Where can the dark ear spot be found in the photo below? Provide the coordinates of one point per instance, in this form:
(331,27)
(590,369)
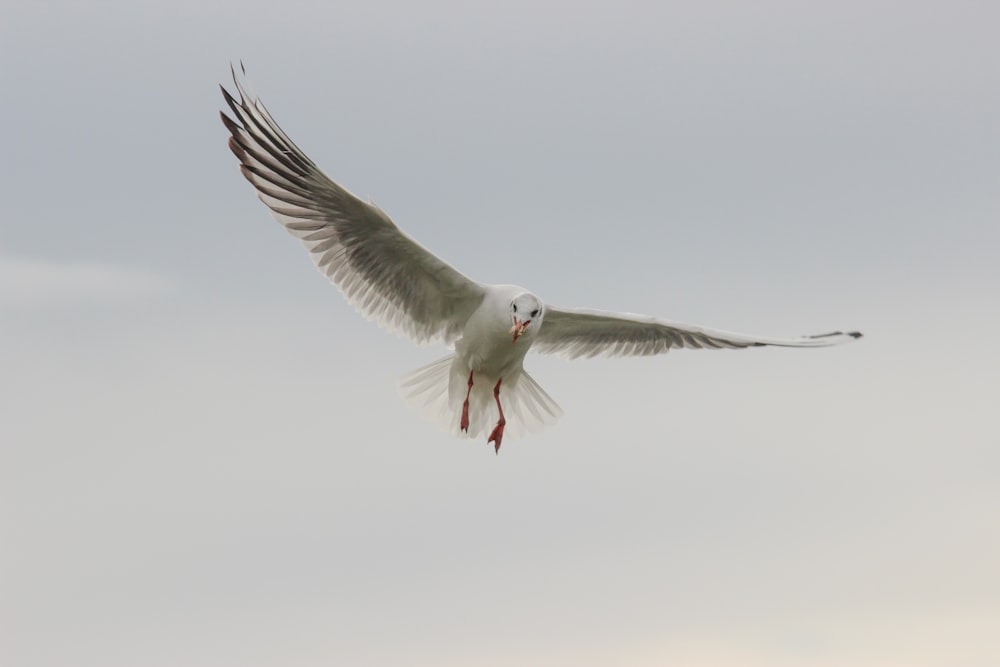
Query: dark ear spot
(514,306)
(534,313)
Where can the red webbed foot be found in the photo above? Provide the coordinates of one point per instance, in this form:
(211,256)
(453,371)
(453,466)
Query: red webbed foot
(497,435)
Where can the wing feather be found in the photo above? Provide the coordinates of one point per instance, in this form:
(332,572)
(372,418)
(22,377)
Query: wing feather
(382,272)
(581,332)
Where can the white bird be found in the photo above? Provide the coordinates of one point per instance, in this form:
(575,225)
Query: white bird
(393,280)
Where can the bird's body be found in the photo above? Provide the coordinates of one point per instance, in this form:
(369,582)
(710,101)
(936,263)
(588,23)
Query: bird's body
(458,390)
(486,345)
(393,280)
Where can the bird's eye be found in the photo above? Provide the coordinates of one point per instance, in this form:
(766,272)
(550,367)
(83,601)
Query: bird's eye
(534,313)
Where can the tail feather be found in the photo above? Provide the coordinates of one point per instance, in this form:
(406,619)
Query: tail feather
(438,391)
(426,390)
(527,406)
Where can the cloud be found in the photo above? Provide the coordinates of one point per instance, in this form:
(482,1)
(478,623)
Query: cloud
(31,283)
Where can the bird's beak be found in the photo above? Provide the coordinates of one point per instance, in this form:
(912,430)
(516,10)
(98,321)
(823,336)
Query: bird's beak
(518,329)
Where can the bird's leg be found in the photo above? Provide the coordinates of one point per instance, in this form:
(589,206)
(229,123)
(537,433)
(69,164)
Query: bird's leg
(497,435)
(465,407)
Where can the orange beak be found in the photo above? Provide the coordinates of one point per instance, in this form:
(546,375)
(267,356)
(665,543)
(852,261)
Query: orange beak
(518,329)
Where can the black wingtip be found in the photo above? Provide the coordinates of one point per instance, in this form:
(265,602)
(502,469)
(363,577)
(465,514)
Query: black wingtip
(232,72)
(832,334)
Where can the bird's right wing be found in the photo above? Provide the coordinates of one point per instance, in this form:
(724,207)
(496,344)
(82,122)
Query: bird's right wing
(589,333)
(385,274)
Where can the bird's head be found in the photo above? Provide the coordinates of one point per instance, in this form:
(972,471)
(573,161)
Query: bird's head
(525,309)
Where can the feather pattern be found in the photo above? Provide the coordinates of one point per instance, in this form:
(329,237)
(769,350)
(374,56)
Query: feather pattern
(386,275)
(580,332)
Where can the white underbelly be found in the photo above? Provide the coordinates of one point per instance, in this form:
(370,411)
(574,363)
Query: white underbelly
(494,356)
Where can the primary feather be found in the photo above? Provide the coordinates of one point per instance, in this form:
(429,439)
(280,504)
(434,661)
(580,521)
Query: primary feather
(385,274)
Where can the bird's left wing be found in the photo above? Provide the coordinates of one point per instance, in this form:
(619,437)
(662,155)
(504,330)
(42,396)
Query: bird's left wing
(589,333)
(385,274)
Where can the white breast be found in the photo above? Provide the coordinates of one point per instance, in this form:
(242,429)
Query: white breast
(487,345)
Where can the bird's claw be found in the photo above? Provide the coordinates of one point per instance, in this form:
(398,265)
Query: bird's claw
(496,436)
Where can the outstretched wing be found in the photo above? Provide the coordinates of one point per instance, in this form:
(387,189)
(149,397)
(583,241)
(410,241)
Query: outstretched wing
(589,333)
(385,274)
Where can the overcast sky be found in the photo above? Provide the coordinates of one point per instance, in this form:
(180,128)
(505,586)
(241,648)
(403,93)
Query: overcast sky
(203,457)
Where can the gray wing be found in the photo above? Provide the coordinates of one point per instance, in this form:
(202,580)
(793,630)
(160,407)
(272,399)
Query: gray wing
(589,333)
(385,274)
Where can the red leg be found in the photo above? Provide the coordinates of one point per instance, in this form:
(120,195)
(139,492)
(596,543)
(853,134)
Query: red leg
(497,434)
(465,407)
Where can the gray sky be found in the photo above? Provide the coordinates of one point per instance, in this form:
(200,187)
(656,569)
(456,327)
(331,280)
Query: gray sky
(203,459)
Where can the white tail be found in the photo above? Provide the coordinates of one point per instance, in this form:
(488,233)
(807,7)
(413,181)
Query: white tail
(438,389)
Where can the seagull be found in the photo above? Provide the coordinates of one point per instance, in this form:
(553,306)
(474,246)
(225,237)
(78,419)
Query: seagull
(391,279)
